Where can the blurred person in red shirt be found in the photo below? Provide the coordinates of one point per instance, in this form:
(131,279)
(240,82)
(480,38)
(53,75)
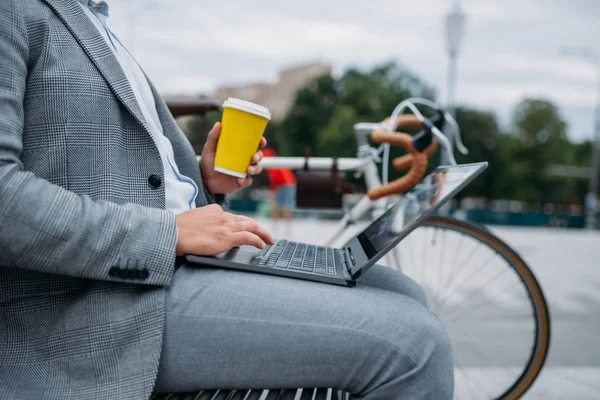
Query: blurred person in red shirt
(283,192)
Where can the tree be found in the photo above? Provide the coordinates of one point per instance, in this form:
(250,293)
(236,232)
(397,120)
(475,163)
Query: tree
(310,113)
(323,113)
(337,139)
(485,141)
(196,128)
(582,155)
(374,94)
(543,141)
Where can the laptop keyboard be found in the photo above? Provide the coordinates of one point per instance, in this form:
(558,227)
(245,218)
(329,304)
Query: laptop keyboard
(300,257)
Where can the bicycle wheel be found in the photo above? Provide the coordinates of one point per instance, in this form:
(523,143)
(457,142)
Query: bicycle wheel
(488,300)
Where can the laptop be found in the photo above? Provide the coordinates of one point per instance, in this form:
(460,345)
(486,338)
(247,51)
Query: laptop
(344,266)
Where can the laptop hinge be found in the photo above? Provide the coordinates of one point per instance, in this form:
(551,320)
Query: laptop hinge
(348,259)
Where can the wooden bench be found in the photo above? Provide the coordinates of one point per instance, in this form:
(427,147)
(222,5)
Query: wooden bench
(255,394)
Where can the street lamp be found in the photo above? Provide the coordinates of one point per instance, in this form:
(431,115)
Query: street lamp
(455,26)
(593,58)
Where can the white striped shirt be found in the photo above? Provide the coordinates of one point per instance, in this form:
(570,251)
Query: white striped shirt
(180,190)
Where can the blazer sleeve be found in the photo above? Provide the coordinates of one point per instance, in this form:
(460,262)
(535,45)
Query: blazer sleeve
(46,228)
(211,198)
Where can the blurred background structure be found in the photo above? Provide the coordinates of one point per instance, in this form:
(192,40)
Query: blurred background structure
(593,59)
(279,96)
(455,26)
(523,104)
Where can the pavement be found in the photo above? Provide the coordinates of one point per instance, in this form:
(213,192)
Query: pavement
(567,266)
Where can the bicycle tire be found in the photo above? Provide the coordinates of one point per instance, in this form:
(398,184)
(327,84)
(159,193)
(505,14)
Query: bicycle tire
(539,351)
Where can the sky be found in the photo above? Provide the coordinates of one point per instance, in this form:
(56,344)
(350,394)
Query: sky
(511,48)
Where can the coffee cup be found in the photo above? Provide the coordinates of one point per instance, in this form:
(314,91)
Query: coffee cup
(242,126)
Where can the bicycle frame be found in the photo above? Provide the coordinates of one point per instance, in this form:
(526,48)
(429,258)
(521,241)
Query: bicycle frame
(366,166)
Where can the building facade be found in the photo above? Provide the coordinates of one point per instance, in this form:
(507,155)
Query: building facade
(278,97)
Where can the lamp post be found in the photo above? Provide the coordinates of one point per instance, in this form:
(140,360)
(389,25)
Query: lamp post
(592,58)
(455,26)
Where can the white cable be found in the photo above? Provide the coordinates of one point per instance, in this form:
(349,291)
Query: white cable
(441,137)
(386,165)
(438,134)
(459,143)
(425,102)
(391,127)
(445,144)
(456,131)
(399,110)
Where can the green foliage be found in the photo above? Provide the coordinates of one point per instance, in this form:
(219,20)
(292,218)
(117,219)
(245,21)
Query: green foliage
(542,141)
(324,112)
(196,129)
(538,121)
(582,154)
(312,110)
(485,141)
(374,94)
(337,139)
(520,159)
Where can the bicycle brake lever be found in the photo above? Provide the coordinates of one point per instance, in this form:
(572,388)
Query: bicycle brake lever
(443,140)
(457,135)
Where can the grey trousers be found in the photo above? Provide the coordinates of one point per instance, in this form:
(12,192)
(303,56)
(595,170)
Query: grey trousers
(237,330)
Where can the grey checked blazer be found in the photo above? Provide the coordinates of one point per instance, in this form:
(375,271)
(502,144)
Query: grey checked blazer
(86,246)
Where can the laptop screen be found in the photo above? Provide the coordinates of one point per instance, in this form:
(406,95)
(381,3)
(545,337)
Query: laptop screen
(434,190)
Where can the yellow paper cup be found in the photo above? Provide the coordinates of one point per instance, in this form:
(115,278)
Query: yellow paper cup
(242,127)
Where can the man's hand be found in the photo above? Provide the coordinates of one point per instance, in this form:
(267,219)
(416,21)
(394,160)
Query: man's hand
(209,230)
(216,182)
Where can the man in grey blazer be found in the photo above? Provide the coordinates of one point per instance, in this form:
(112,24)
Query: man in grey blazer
(100,191)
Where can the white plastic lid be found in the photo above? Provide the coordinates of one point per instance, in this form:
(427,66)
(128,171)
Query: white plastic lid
(248,107)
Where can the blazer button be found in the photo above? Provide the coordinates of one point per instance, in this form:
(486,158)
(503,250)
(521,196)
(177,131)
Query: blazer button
(154,181)
(131,274)
(115,272)
(143,274)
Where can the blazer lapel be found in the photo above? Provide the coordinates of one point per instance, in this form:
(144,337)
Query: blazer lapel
(92,42)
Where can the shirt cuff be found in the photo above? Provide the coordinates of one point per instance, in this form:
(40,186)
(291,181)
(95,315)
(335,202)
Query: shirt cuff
(211,198)
(218,198)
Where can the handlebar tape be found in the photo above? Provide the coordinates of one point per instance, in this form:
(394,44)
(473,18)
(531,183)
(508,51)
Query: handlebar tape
(417,167)
(404,162)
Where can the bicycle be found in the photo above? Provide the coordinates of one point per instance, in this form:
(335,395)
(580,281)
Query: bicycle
(495,358)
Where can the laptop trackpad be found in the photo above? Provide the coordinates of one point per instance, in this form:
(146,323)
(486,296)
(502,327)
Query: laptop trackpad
(243,254)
